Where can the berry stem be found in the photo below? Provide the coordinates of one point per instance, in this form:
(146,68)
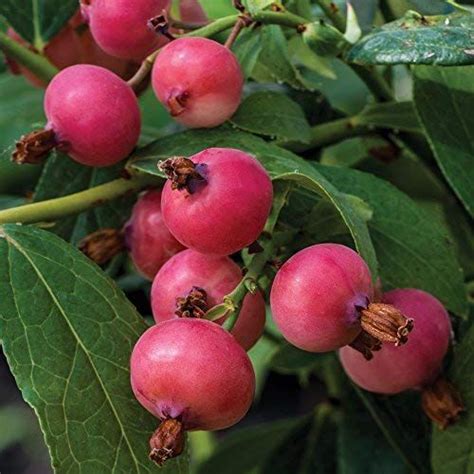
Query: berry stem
(36,63)
(240,24)
(233,301)
(331,10)
(218,26)
(53,209)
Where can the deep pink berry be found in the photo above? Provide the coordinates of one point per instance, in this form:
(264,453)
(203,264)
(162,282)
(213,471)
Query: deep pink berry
(149,241)
(316,296)
(94,115)
(217,277)
(413,365)
(121,28)
(199,81)
(194,371)
(223,206)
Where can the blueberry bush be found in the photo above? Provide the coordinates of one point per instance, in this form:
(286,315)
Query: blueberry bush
(236,236)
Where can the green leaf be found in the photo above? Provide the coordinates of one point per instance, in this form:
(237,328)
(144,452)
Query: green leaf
(247,48)
(7,202)
(274,115)
(309,450)
(291,360)
(274,61)
(444,99)
(413,250)
(453,449)
(63,176)
(281,164)
(299,445)
(258,444)
(68,332)
(397,115)
(403,424)
(255,6)
(21,109)
(417,39)
(261,355)
(37,21)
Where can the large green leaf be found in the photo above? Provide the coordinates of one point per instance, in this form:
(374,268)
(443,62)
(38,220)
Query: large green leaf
(413,250)
(38,20)
(362,446)
(63,176)
(273,114)
(257,444)
(453,449)
(417,39)
(404,426)
(68,332)
(274,62)
(444,99)
(303,445)
(281,164)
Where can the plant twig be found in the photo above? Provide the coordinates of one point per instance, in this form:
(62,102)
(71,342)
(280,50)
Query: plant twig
(332,11)
(233,301)
(53,209)
(240,24)
(34,62)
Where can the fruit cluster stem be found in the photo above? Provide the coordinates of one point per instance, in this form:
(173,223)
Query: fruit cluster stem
(53,209)
(35,62)
(249,282)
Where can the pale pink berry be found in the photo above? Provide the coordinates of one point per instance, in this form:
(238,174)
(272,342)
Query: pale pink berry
(121,27)
(414,364)
(223,204)
(94,115)
(317,295)
(149,241)
(194,371)
(216,277)
(199,81)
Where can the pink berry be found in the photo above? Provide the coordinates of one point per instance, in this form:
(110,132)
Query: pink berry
(94,115)
(316,296)
(413,365)
(194,371)
(199,81)
(223,207)
(217,276)
(192,12)
(120,27)
(149,241)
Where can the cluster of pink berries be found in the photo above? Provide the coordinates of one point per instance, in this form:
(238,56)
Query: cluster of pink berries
(215,203)
(93,115)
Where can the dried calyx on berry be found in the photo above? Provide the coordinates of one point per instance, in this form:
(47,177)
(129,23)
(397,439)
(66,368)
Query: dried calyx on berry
(33,148)
(442,403)
(102,245)
(182,172)
(381,323)
(193,305)
(167,441)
